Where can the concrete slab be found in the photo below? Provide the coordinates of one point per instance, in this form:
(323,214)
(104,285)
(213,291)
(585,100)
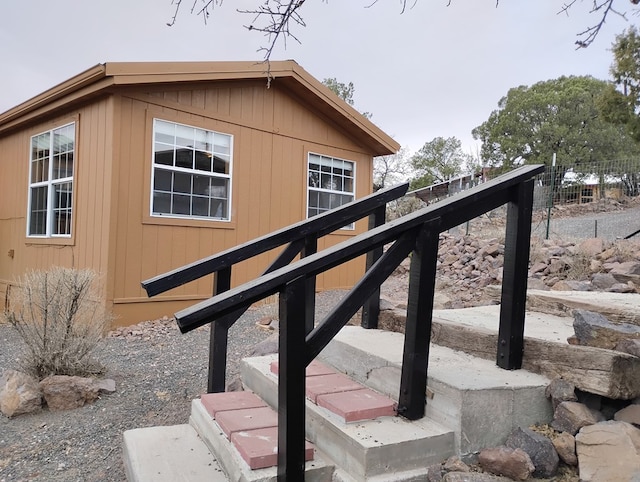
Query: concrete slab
(385,449)
(160,454)
(541,326)
(357,405)
(232,421)
(324,384)
(237,470)
(480,402)
(259,448)
(221,402)
(314,369)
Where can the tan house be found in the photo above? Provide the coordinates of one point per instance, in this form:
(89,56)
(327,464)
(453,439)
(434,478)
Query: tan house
(134,169)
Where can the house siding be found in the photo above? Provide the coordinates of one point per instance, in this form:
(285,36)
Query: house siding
(273,132)
(113,233)
(87,248)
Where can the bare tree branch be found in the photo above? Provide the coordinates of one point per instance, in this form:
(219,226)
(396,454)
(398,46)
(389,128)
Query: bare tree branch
(606,7)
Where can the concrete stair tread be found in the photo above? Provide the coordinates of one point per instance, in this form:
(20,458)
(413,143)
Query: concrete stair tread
(237,462)
(389,446)
(341,395)
(159,454)
(474,398)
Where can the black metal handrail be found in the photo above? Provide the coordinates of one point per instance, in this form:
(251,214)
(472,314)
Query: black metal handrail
(416,233)
(299,238)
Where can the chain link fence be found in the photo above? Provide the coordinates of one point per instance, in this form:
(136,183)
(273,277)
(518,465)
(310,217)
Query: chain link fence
(570,203)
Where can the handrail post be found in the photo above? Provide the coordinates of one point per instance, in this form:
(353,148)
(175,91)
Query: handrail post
(218,338)
(310,247)
(417,337)
(514,279)
(371,308)
(291,382)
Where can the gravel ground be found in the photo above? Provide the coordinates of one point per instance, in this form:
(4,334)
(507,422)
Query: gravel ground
(157,372)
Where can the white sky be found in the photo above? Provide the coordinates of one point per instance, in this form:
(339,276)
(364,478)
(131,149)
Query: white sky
(435,70)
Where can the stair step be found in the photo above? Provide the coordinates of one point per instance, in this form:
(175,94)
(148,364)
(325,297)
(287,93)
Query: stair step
(342,395)
(478,401)
(387,448)
(167,454)
(237,461)
(259,448)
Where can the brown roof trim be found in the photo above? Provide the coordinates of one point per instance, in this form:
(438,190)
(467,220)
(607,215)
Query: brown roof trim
(294,77)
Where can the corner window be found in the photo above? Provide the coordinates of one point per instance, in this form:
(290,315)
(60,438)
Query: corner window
(191,172)
(51,183)
(331,184)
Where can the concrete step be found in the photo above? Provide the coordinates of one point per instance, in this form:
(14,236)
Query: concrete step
(169,454)
(234,463)
(389,448)
(472,397)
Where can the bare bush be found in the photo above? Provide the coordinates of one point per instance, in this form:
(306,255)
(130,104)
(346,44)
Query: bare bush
(61,320)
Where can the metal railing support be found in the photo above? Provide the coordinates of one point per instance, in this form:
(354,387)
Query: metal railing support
(371,308)
(417,337)
(218,339)
(514,278)
(291,382)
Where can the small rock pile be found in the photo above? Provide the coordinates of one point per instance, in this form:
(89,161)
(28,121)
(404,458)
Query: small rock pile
(20,393)
(146,330)
(467,264)
(594,435)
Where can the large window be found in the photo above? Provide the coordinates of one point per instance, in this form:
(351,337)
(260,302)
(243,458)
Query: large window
(191,172)
(51,183)
(331,184)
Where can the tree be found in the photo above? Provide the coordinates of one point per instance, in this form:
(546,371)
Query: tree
(555,116)
(437,161)
(390,170)
(277,19)
(344,91)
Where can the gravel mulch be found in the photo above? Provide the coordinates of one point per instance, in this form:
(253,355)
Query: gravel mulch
(157,370)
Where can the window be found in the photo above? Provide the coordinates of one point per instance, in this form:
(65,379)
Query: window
(331,184)
(51,183)
(191,172)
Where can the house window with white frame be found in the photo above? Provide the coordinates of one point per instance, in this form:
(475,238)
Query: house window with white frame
(331,184)
(51,182)
(191,172)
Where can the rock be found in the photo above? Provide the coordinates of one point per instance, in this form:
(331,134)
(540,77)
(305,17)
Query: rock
(608,452)
(627,271)
(632,347)
(266,347)
(19,394)
(622,288)
(105,385)
(473,477)
(603,281)
(536,284)
(235,385)
(572,416)
(570,285)
(513,463)
(538,267)
(434,473)
(630,414)
(591,247)
(560,390)
(62,392)
(593,329)
(454,464)
(539,448)
(565,445)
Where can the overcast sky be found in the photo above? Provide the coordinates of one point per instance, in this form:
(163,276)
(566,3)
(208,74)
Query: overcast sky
(435,70)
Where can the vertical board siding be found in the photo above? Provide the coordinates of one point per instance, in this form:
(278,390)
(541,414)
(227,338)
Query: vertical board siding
(87,248)
(114,233)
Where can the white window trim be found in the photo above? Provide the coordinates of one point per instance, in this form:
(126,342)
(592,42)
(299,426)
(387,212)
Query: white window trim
(50,183)
(190,171)
(349,227)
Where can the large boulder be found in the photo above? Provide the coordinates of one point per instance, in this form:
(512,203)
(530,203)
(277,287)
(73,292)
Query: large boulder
(513,463)
(608,452)
(62,392)
(19,394)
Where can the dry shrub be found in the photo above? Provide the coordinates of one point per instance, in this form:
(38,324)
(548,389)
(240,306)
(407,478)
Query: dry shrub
(580,267)
(61,320)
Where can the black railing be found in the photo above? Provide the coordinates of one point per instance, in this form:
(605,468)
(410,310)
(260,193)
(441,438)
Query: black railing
(416,233)
(300,238)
